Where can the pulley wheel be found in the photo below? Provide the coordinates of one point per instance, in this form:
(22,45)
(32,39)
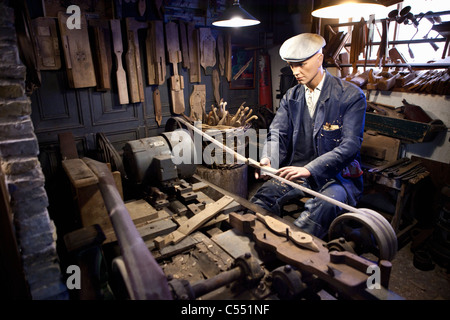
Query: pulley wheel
(370,232)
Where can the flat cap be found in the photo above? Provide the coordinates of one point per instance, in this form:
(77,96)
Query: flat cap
(301,47)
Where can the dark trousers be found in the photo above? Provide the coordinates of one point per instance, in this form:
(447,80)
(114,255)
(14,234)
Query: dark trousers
(317,215)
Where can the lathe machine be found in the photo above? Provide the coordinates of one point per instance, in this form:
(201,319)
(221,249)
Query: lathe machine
(204,242)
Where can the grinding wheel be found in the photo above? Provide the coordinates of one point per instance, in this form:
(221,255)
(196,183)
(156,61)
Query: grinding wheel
(370,232)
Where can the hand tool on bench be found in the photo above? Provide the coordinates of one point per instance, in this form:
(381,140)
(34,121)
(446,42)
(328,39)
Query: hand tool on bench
(133,60)
(405,76)
(121,76)
(372,80)
(175,57)
(388,82)
(156,54)
(193,223)
(144,278)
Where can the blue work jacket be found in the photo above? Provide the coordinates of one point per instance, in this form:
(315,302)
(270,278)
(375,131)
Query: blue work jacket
(342,105)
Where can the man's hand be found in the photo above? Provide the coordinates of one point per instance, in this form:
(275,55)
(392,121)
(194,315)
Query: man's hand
(292,173)
(265,162)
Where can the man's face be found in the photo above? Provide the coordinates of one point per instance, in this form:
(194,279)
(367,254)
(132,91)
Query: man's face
(306,71)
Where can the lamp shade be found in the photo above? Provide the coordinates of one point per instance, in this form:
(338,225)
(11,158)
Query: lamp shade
(236,16)
(334,9)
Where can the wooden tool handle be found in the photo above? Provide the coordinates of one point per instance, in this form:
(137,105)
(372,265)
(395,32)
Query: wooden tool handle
(157,106)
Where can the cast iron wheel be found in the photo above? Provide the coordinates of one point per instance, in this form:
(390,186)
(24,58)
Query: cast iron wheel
(370,232)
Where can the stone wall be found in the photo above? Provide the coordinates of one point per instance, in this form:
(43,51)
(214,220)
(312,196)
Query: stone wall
(19,150)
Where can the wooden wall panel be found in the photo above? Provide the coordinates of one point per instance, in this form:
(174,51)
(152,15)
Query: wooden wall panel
(105,111)
(54,107)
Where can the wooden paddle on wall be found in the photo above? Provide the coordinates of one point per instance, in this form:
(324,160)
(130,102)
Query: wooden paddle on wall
(47,46)
(207,50)
(102,53)
(156,54)
(157,106)
(194,53)
(118,51)
(133,60)
(77,53)
(175,57)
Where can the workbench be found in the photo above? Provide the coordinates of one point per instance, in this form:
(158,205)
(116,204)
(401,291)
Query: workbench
(203,242)
(403,187)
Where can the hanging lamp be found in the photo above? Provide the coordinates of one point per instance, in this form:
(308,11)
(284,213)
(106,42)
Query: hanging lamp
(335,9)
(236,16)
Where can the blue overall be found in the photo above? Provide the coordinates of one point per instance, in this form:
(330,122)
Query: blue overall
(333,160)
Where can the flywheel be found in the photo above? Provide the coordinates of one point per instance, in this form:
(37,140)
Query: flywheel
(368,231)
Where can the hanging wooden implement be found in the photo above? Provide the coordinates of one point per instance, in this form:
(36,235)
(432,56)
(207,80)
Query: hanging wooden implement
(358,43)
(157,106)
(120,72)
(102,53)
(216,85)
(221,53)
(47,45)
(198,102)
(207,50)
(184,45)
(194,53)
(133,60)
(175,57)
(156,54)
(77,53)
(142,7)
(228,69)
(382,53)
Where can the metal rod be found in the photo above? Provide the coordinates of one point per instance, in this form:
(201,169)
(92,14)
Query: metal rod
(425,15)
(271,172)
(203,287)
(316,194)
(400,65)
(412,41)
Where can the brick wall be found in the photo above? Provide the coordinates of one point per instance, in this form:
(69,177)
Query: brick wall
(19,149)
